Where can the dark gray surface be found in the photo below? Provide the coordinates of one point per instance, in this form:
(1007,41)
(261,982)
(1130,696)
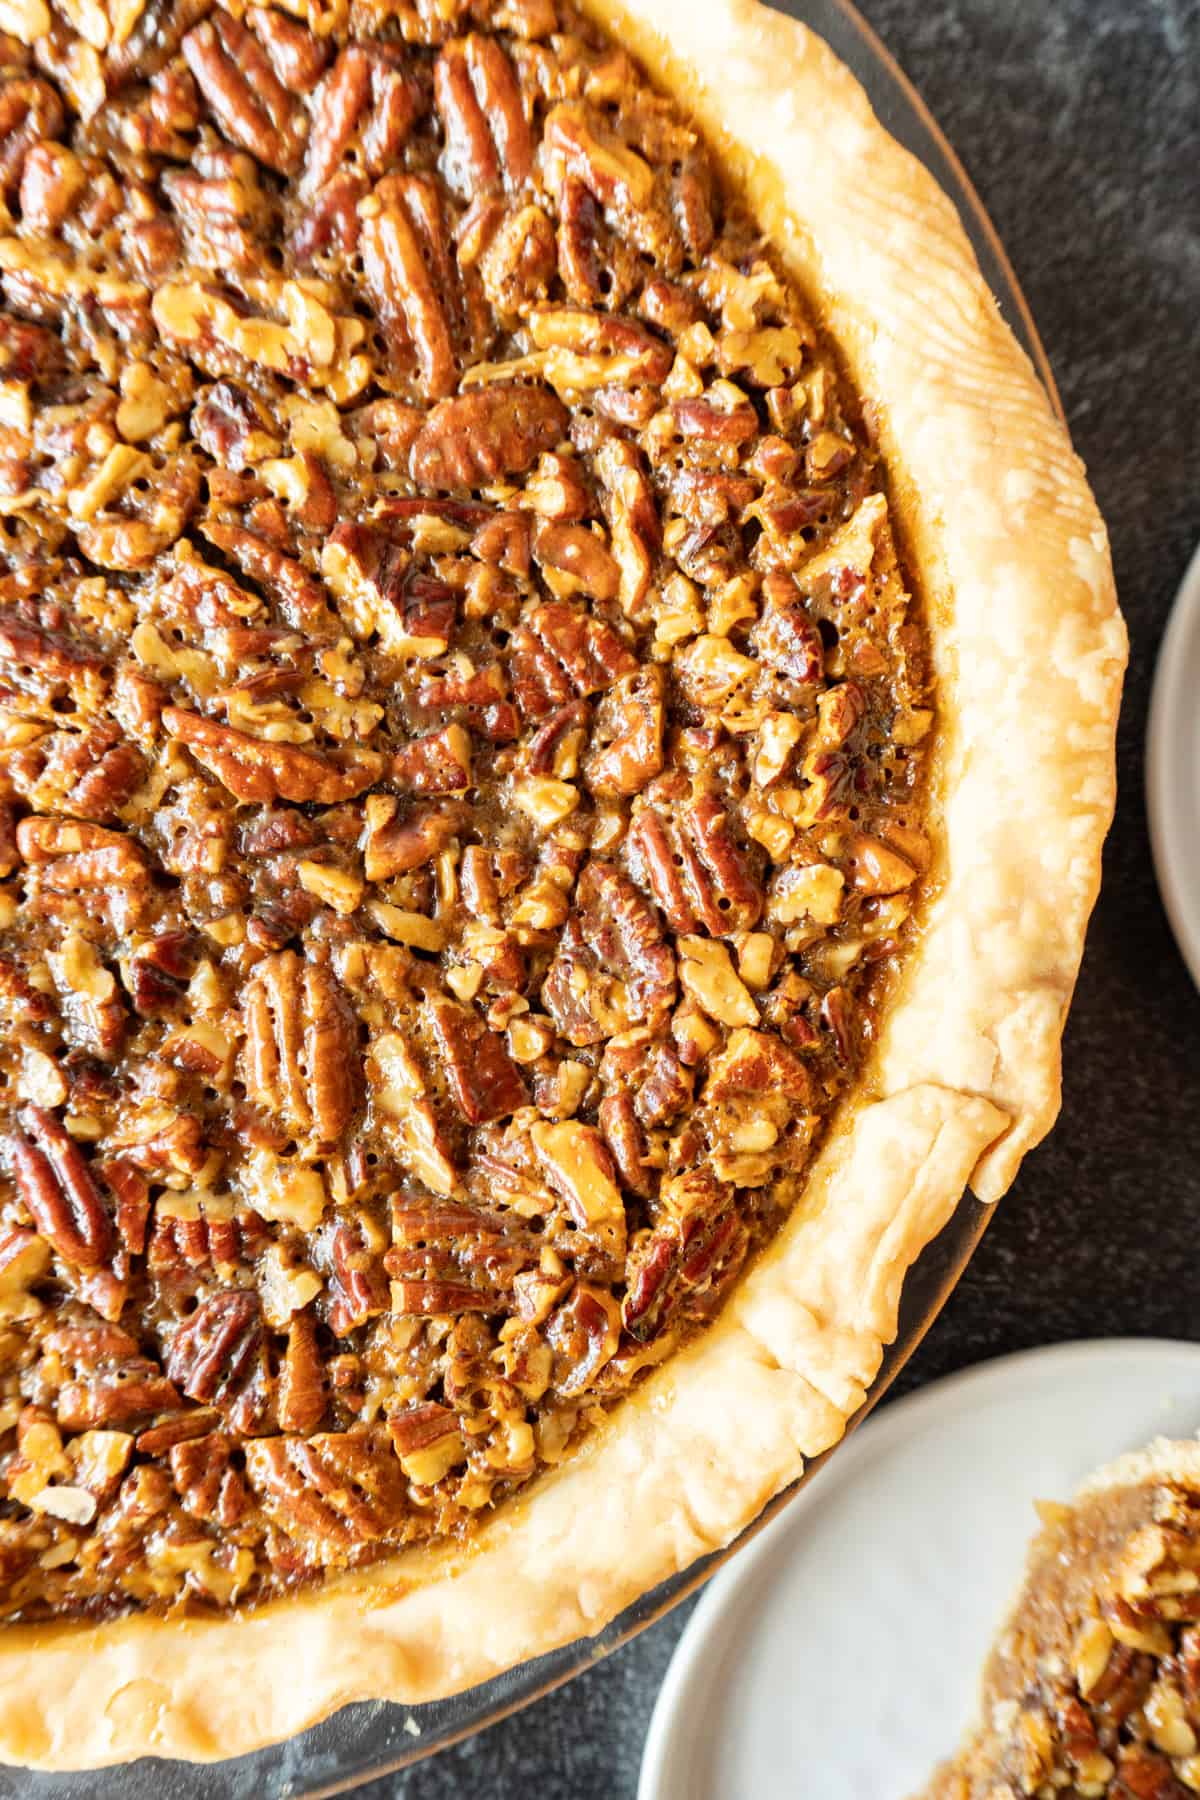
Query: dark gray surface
(1079,121)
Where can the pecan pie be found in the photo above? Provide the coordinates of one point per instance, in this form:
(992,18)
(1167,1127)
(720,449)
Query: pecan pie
(1092,1691)
(557,680)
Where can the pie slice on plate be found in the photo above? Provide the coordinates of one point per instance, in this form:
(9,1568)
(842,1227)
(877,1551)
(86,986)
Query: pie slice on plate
(1093,1687)
(559,679)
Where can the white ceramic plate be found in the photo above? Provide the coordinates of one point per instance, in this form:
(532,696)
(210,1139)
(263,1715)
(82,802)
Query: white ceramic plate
(838,1656)
(1173,768)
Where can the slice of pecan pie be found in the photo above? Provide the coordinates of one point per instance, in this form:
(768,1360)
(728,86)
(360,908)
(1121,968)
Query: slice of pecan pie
(1092,1691)
(557,680)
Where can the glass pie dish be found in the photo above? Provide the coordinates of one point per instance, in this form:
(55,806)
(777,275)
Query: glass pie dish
(366,1740)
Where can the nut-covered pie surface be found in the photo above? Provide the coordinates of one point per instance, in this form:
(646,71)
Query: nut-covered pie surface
(462,727)
(556,713)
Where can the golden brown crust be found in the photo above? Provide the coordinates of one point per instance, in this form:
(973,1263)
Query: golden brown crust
(1029,652)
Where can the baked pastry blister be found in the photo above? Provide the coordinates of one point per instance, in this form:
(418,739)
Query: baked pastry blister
(560,678)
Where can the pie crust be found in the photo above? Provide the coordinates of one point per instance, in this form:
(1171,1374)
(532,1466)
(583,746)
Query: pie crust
(1029,651)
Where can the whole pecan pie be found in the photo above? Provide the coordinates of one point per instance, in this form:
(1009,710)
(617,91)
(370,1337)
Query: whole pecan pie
(557,680)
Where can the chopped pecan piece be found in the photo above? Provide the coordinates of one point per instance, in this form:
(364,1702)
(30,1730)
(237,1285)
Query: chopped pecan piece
(159,970)
(597,267)
(302,1397)
(484,1080)
(399,840)
(700,419)
(300,599)
(255,770)
(514,255)
(573,560)
(300,1058)
(87,774)
(755,1062)
(583,1334)
(579,1166)
(110,1382)
(379,590)
(786,637)
(57,1186)
(1144,1774)
(486,435)
(633,520)
(615,174)
(481,695)
(628,736)
(623,1134)
(613,967)
(428,1442)
(30,111)
(438,763)
(296,55)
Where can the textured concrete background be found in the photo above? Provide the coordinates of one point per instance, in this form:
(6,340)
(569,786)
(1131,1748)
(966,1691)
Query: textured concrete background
(1079,121)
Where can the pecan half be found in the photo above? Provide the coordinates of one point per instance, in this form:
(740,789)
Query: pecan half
(217,1356)
(255,770)
(400,231)
(252,105)
(560,652)
(333,1493)
(448,1244)
(484,1080)
(479,102)
(57,1186)
(613,968)
(366,96)
(210,1486)
(299,1061)
(486,435)
(688,857)
(683,1263)
(180,1241)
